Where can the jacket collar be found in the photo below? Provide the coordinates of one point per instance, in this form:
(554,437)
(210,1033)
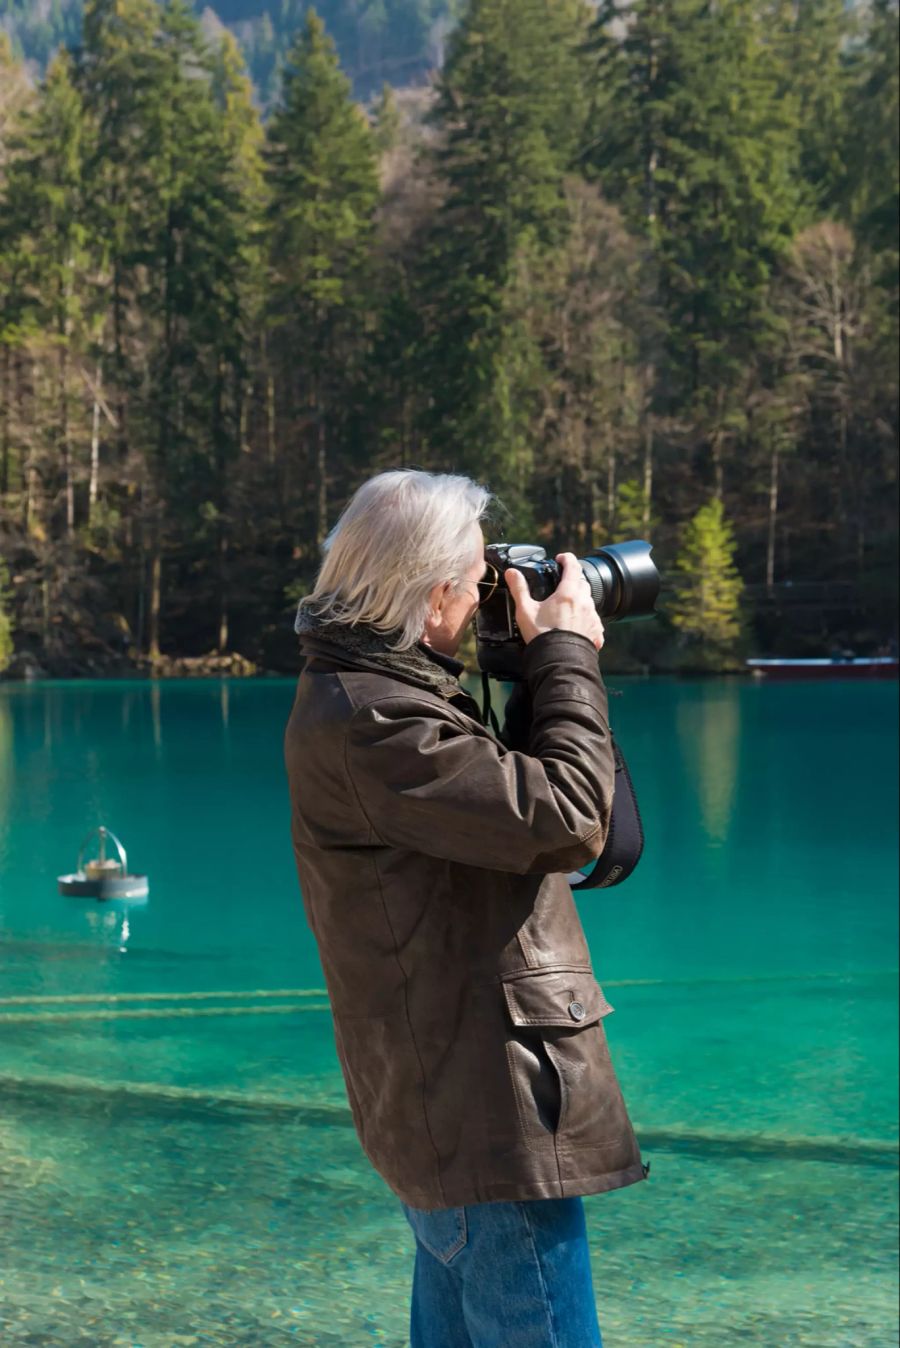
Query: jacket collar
(437,673)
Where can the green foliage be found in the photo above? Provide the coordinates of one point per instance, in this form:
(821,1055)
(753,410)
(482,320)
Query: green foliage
(321,169)
(815,37)
(635,517)
(617,261)
(706,607)
(511,100)
(323,184)
(871,130)
(693,133)
(386,119)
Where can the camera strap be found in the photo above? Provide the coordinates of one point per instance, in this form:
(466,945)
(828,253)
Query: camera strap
(488,715)
(625,839)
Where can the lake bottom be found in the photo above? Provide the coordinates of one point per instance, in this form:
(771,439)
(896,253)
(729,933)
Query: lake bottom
(154,1217)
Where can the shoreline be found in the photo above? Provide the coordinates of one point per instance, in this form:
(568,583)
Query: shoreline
(258,675)
(24,668)
(175,672)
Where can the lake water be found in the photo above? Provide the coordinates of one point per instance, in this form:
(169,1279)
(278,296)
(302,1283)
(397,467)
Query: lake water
(177,1162)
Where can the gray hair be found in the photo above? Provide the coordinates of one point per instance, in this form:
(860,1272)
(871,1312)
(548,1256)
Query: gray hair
(402,533)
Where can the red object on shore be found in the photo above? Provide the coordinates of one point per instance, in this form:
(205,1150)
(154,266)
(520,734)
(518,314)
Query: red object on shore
(860,667)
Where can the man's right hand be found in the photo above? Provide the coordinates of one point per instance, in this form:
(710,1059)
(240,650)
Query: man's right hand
(570,608)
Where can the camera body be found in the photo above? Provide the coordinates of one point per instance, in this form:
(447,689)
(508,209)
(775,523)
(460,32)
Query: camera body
(624,585)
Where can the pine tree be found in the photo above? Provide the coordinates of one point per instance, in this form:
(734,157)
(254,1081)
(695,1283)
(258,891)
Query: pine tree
(16,99)
(15,95)
(511,107)
(322,174)
(117,71)
(706,607)
(119,67)
(811,37)
(690,132)
(235,313)
(44,210)
(386,119)
(872,143)
(196,301)
(166,183)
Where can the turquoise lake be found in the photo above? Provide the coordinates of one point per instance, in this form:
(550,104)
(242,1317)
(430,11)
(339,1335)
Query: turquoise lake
(177,1160)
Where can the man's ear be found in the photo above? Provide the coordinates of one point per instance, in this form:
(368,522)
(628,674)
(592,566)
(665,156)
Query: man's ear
(436,596)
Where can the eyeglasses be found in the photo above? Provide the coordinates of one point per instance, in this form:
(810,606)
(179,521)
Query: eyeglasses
(488,585)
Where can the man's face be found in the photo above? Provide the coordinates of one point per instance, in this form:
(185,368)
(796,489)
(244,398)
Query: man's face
(454,607)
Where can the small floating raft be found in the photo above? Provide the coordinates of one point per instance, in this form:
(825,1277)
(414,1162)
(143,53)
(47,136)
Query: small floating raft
(103,877)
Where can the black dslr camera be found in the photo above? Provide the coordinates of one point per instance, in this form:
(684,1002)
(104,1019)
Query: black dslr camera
(624,585)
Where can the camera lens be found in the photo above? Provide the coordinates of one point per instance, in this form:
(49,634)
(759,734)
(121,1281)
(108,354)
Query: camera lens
(624,582)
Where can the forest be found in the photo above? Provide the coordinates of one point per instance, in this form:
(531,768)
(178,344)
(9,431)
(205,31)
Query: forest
(633,265)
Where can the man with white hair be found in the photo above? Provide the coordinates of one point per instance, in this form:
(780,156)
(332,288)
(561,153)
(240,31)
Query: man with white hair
(432,858)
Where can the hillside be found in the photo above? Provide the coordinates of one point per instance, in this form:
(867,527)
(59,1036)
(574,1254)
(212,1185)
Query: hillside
(394,40)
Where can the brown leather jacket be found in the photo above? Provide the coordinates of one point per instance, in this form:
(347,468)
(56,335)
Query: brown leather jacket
(432,861)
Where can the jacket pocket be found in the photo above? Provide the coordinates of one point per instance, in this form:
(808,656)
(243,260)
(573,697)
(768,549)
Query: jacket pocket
(557,1051)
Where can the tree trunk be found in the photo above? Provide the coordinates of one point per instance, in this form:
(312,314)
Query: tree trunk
(773,514)
(716,446)
(610,490)
(321,461)
(590,511)
(167,417)
(223,588)
(270,418)
(844,493)
(155,592)
(94,480)
(651,152)
(321,483)
(558,498)
(31,479)
(65,441)
(30,500)
(5,434)
(718,470)
(119,363)
(221,501)
(45,612)
(648,481)
(140,619)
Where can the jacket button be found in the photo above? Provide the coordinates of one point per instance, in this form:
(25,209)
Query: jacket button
(577,1011)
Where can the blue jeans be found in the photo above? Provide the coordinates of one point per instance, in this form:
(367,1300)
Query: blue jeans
(493,1275)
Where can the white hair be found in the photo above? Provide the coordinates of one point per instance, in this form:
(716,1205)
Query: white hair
(402,533)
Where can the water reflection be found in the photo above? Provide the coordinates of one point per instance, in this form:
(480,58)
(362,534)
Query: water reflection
(156,714)
(112,924)
(709,731)
(6,778)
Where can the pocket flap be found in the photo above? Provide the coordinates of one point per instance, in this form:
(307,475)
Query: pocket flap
(564,997)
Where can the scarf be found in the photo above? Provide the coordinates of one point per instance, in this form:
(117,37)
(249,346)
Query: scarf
(365,645)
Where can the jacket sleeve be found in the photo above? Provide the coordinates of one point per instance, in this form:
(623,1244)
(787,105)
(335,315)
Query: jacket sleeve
(428,784)
(517,716)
